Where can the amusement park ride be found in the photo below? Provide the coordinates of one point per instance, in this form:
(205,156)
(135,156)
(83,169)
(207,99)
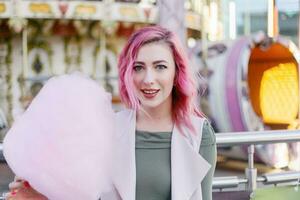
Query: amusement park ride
(252,83)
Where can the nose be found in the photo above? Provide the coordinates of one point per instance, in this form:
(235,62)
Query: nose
(149,77)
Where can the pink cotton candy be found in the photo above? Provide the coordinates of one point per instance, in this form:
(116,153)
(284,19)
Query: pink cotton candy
(63,142)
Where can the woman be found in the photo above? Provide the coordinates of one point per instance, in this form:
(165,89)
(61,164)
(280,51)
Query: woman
(166,147)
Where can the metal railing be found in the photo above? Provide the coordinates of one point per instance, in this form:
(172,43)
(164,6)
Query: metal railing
(257,137)
(251,139)
(267,179)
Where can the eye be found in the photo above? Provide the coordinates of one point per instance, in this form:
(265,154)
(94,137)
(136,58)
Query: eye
(161,67)
(137,68)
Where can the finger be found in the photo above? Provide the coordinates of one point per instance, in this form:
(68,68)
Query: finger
(9,195)
(18,179)
(15,185)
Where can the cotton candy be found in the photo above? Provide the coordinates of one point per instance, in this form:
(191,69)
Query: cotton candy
(62,143)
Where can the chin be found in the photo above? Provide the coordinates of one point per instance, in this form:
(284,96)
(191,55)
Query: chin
(150,105)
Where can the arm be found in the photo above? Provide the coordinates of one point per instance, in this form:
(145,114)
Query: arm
(208,150)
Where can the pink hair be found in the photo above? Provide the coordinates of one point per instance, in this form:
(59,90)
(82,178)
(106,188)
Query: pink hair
(184,91)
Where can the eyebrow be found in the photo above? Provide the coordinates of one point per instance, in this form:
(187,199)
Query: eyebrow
(155,62)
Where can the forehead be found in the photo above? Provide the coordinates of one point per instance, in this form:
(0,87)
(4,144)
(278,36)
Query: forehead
(155,51)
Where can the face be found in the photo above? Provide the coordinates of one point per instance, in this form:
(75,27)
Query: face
(153,75)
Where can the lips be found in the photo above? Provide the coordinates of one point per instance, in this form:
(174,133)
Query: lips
(149,93)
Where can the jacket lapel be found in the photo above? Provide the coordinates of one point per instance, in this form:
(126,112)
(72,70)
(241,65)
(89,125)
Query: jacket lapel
(125,171)
(188,166)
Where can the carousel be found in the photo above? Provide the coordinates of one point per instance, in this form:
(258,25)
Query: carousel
(253,85)
(41,39)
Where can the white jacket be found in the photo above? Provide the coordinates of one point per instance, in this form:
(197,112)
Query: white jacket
(188,168)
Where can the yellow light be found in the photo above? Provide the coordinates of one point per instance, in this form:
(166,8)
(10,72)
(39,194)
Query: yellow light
(2,7)
(279,94)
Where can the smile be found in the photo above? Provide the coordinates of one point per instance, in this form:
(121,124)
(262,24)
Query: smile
(150,93)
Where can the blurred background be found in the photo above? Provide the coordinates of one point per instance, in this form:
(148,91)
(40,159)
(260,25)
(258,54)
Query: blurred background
(245,53)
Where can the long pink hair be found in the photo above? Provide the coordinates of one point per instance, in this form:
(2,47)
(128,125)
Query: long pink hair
(184,91)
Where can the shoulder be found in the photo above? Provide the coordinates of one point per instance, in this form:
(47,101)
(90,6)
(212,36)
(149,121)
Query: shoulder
(125,113)
(199,123)
(208,134)
(203,122)
(204,129)
(125,117)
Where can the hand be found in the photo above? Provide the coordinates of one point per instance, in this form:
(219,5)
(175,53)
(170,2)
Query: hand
(21,190)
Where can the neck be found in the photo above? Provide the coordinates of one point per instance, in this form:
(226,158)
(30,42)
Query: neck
(160,112)
(156,119)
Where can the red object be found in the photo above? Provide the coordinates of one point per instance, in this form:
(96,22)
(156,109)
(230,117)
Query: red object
(4,30)
(125,31)
(26,184)
(64,29)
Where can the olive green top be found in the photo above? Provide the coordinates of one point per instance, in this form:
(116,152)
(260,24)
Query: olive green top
(153,163)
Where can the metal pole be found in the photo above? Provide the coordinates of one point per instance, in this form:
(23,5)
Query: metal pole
(172,16)
(247,26)
(298,63)
(272,19)
(204,27)
(24,53)
(24,73)
(257,137)
(299,30)
(251,171)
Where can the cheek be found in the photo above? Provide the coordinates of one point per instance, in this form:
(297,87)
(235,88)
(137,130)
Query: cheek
(168,82)
(136,84)
(136,80)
